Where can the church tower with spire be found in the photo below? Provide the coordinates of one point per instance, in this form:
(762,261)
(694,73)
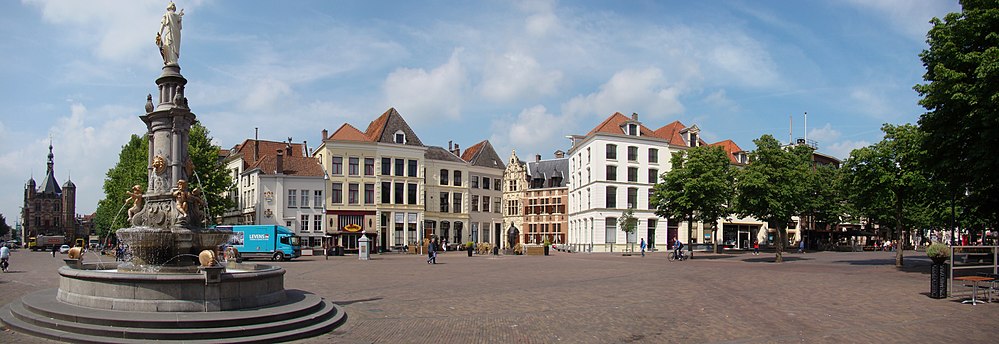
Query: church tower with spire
(49,209)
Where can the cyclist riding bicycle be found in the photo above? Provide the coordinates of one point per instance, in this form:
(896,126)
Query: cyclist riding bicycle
(677,250)
(4,256)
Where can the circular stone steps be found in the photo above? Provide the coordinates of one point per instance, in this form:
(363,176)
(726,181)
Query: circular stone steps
(302,315)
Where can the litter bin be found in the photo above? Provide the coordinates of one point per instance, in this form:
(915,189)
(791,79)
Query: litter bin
(496,250)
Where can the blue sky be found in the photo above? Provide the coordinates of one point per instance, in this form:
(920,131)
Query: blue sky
(521,74)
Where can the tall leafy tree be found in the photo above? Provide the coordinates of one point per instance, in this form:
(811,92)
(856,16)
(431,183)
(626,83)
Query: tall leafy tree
(826,202)
(130,170)
(699,187)
(774,186)
(4,227)
(210,176)
(961,96)
(629,224)
(889,181)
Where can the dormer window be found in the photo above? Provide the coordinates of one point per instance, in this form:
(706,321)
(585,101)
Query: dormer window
(633,129)
(693,139)
(400,137)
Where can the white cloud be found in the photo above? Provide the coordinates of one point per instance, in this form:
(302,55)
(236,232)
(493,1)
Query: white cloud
(533,127)
(644,91)
(85,144)
(910,18)
(422,95)
(119,31)
(516,75)
(719,99)
(842,149)
(872,101)
(824,134)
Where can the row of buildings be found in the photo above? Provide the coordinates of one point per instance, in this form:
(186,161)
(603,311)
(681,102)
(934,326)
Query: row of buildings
(385,183)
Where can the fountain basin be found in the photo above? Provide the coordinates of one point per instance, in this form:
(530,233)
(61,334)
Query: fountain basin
(100,286)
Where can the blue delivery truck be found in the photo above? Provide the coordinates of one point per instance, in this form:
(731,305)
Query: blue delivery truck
(265,241)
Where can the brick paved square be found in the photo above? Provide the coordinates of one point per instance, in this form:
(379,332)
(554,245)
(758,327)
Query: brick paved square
(608,298)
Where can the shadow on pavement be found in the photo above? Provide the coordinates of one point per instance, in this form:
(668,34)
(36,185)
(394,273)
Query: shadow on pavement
(772,259)
(713,256)
(348,302)
(909,264)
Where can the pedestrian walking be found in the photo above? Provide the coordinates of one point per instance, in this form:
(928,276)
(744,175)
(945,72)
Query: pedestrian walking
(54,249)
(801,246)
(756,248)
(643,247)
(431,252)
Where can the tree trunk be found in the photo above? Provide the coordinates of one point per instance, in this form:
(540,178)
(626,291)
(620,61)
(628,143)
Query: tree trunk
(901,232)
(690,235)
(714,235)
(780,242)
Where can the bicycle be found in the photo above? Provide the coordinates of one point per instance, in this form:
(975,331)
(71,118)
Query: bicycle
(672,256)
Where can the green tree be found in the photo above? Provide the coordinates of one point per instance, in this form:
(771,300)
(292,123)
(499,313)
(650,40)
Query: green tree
(699,187)
(889,182)
(825,204)
(210,176)
(4,227)
(130,170)
(629,224)
(961,96)
(774,186)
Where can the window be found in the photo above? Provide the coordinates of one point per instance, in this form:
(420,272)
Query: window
(352,193)
(386,192)
(411,195)
(292,198)
(693,139)
(485,183)
(633,129)
(369,193)
(653,156)
(653,176)
(412,168)
(369,166)
(305,223)
(337,193)
(611,197)
(496,184)
(400,223)
(485,204)
(317,198)
(399,189)
(632,153)
(337,168)
(444,175)
(400,137)
(317,223)
(611,172)
(475,182)
(305,198)
(386,166)
(611,152)
(652,191)
(475,203)
(496,206)
(352,166)
(610,235)
(457,178)
(633,174)
(400,164)
(457,202)
(444,202)
(632,197)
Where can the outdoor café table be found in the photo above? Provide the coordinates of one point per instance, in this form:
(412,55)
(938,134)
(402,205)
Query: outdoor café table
(974,280)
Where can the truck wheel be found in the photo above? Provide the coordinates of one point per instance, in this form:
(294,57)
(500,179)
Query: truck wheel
(279,257)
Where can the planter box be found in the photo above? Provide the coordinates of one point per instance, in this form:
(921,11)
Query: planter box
(535,250)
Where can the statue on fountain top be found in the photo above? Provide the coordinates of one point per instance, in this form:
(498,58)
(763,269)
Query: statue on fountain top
(135,196)
(168,38)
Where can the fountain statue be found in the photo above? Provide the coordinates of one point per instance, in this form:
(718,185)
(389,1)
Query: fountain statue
(174,269)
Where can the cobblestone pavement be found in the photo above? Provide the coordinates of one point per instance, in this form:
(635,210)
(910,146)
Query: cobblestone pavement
(824,297)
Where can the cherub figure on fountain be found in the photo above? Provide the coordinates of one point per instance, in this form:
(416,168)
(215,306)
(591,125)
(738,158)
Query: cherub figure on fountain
(135,196)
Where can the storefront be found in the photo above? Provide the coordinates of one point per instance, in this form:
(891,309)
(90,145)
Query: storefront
(347,227)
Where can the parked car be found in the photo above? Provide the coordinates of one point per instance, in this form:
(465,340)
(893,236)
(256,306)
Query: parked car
(63,248)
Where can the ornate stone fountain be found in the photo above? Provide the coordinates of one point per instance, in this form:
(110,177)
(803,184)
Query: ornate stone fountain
(163,293)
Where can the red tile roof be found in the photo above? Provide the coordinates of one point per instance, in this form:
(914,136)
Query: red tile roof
(671,133)
(470,152)
(293,166)
(376,127)
(267,148)
(730,149)
(612,125)
(347,132)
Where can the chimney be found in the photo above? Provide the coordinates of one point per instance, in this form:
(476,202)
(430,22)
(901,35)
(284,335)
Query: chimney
(256,144)
(326,135)
(287,147)
(457,150)
(634,116)
(537,158)
(450,146)
(280,162)
(305,148)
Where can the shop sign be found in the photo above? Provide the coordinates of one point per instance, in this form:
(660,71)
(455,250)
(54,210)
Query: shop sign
(352,228)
